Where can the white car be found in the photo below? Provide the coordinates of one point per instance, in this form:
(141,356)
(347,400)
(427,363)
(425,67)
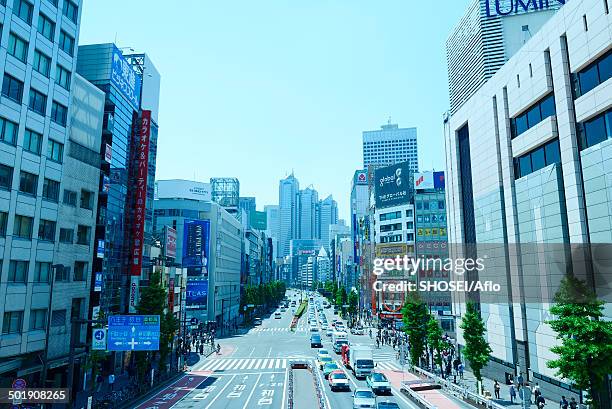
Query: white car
(329,332)
(364,398)
(379,383)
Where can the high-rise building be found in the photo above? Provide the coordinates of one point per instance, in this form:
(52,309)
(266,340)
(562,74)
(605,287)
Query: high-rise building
(390,145)
(125,209)
(308,214)
(46,241)
(226,192)
(288,195)
(488,34)
(328,216)
(527,174)
(272,220)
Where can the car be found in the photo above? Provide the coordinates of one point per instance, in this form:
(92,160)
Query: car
(277,315)
(315,341)
(322,352)
(338,380)
(387,405)
(364,398)
(329,332)
(314,329)
(379,383)
(324,360)
(331,367)
(357,331)
(257,321)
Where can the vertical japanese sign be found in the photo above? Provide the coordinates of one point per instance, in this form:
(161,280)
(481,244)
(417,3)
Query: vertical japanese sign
(171,295)
(140,201)
(170,245)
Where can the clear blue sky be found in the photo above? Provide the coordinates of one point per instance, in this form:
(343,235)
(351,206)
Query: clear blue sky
(256,89)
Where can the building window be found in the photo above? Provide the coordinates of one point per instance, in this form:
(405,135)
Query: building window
(32,141)
(46,27)
(537,159)
(533,116)
(38,319)
(42,272)
(83,234)
(62,77)
(23,10)
(6,177)
(23,227)
(46,230)
(409,213)
(3,223)
(59,113)
(55,151)
(8,131)
(409,225)
(17,47)
(66,43)
(441,204)
(87,199)
(18,271)
(51,190)
(28,183)
(66,236)
(54,2)
(426,205)
(12,322)
(595,130)
(12,88)
(70,197)
(42,63)
(70,10)
(58,318)
(80,270)
(410,236)
(62,273)
(465,176)
(38,102)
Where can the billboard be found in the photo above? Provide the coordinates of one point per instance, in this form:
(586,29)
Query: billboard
(141,144)
(197,292)
(424,180)
(170,245)
(360,177)
(196,238)
(393,185)
(182,189)
(125,78)
(439,182)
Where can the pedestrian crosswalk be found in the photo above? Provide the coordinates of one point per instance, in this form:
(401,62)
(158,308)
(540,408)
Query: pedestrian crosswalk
(391,366)
(276,329)
(241,364)
(383,356)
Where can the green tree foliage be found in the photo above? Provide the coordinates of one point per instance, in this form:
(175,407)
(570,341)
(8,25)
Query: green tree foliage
(477,349)
(434,339)
(353,302)
(153,301)
(341,297)
(415,317)
(585,350)
(267,294)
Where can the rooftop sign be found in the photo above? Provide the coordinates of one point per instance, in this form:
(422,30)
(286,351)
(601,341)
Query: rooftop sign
(495,8)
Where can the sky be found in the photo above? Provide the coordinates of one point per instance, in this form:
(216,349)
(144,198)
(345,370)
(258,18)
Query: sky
(259,89)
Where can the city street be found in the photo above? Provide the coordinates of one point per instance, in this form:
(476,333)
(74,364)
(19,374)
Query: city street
(251,371)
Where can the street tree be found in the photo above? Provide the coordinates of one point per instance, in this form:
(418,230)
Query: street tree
(585,336)
(477,349)
(435,342)
(341,297)
(415,317)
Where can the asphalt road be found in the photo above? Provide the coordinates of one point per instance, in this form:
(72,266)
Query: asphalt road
(251,372)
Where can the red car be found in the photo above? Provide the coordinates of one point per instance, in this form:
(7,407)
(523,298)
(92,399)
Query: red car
(338,380)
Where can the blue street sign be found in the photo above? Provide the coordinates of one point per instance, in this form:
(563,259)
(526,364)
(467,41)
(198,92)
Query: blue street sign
(133,333)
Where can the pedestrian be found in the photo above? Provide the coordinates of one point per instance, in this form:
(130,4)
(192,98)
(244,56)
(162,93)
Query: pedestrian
(536,391)
(460,367)
(512,393)
(520,381)
(573,404)
(525,393)
(99,382)
(496,387)
(111,381)
(564,404)
(540,402)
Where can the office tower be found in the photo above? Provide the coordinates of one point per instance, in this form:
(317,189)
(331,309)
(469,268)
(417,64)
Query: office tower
(484,40)
(45,275)
(390,145)
(226,192)
(328,216)
(308,214)
(125,209)
(272,220)
(527,163)
(288,193)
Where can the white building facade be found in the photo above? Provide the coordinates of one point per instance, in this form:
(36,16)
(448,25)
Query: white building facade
(528,160)
(390,145)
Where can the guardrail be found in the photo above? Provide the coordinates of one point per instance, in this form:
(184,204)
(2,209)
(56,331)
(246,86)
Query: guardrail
(458,391)
(415,395)
(305,364)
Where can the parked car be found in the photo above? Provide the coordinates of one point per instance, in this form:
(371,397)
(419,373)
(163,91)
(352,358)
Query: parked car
(379,383)
(364,398)
(338,380)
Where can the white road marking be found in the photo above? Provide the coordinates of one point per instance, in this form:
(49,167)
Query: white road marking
(220,392)
(246,404)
